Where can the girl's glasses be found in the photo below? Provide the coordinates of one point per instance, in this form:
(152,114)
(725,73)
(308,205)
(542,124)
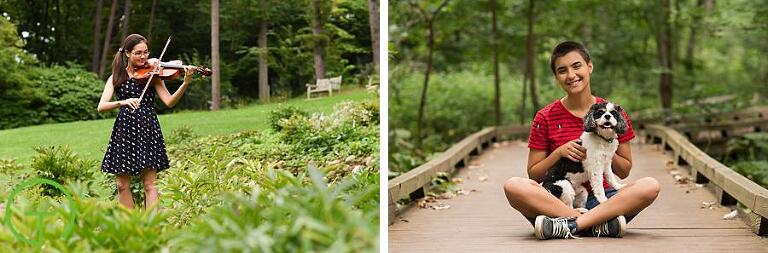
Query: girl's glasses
(139,53)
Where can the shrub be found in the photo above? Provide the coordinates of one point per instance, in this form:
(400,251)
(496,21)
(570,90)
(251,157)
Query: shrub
(60,164)
(287,216)
(284,113)
(179,135)
(70,93)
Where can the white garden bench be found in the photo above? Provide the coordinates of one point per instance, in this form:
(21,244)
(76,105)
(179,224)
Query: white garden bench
(324,85)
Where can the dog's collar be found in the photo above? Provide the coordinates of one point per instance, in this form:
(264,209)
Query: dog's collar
(609,140)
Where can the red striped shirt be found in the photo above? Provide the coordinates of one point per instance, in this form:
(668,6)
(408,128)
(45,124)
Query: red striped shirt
(554,126)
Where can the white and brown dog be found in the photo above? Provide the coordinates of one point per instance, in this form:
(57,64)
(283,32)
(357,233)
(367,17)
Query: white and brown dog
(602,126)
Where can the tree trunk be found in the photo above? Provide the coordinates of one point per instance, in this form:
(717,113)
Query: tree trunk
(522,114)
(319,44)
(215,85)
(423,102)
(373,21)
(263,53)
(496,78)
(96,36)
(664,48)
(107,39)
(530,71)
(703,7)
(429,19)
(125,22)
(151,20)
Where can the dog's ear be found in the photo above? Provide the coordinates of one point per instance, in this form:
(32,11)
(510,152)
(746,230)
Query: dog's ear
(621,124)
(589,120)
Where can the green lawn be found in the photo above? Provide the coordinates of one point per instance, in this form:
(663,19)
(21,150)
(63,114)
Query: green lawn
(89,138)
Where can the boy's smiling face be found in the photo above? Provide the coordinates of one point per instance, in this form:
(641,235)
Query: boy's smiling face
(572,72)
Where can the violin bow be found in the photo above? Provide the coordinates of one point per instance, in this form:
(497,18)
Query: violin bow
(153,72)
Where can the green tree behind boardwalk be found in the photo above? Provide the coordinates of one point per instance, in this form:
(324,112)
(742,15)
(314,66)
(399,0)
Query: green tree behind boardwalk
(647,55)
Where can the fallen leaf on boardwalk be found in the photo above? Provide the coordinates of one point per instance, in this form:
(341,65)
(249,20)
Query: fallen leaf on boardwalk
(473,166)
(457,180)
(473,190)
(732,215)
(670,165)
(432,203)
(483,178)
(682,179)
(707,204)
(404,220)
(446,195)
(462,192)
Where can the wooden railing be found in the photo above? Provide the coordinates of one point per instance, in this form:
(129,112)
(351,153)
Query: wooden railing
(415,183)
(729,186)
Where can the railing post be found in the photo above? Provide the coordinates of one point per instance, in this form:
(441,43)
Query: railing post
(419,193)
(724,198)
(392,210)
(762,228)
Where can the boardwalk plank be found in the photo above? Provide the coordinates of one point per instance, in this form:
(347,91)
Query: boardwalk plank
(482,221)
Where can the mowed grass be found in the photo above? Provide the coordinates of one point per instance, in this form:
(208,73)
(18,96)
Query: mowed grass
(89,139)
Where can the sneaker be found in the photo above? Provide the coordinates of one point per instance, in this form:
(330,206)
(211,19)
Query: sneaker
(552,228)
(615,227)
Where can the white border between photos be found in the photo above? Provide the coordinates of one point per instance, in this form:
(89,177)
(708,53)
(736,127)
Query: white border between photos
(383,125)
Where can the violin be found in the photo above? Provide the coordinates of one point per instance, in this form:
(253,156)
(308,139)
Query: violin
(165,70)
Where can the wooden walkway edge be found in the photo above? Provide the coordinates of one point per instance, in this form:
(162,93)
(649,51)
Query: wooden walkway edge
(482,221)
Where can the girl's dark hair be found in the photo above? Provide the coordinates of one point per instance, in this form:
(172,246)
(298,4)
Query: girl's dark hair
(566,47)
(119,74)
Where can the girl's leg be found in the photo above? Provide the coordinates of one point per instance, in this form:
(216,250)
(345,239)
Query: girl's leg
(531,199)
(124,195)
(149,176)
(629,201)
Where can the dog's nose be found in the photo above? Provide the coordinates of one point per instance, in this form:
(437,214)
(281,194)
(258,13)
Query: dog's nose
(607,116)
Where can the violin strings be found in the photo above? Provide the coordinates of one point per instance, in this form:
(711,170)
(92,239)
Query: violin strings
(159,60)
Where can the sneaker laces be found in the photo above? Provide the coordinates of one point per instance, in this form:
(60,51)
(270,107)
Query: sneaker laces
(560,228)
(601,229)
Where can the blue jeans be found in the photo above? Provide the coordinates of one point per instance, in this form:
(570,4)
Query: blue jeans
(592,203)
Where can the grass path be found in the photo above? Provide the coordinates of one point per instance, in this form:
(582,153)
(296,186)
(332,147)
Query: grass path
(89,138)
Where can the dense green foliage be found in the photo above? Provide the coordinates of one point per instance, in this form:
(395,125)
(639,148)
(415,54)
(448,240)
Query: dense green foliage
(248,191)
(748,155)
(63,33)
(716,51)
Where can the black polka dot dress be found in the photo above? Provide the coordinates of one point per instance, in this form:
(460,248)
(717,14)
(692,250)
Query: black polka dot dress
(137,142)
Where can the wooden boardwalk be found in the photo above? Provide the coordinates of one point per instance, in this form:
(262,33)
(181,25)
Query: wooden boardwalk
(482,221)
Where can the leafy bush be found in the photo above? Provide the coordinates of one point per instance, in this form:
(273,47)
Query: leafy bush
(751,146)
(458,103)
(757,171)
(60,164)
(179,135)
(284,113)
(238,192)
(286,216)
(70,93)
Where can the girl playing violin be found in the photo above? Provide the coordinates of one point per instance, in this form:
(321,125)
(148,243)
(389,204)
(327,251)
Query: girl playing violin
(136,147)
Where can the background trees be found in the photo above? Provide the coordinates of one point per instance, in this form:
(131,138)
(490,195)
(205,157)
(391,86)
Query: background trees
(649,56)
(266,46)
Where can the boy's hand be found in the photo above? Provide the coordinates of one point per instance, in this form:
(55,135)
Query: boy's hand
(572,150)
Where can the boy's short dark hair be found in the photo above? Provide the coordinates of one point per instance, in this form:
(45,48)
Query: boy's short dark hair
(566,47)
